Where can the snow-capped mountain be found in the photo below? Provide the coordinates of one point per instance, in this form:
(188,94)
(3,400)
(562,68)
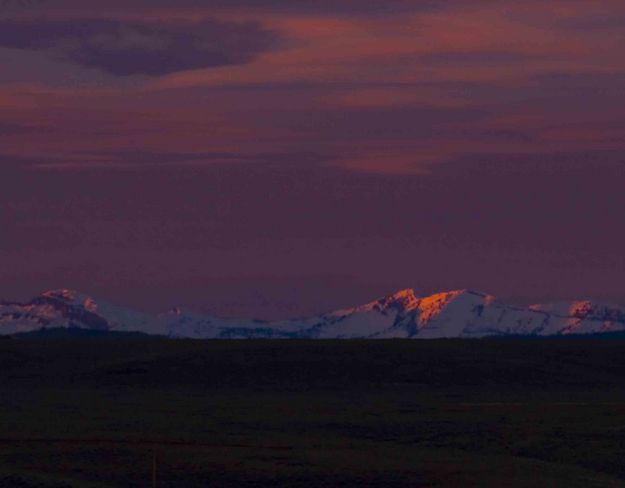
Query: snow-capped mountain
(460,313)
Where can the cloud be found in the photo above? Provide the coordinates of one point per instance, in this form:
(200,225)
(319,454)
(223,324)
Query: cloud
(474,57)
(10,129)
(342,7)
(125,48)
(141,160)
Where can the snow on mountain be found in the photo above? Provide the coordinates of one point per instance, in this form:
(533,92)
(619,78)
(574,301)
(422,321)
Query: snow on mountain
(69,308)
(584,316)
(459,313)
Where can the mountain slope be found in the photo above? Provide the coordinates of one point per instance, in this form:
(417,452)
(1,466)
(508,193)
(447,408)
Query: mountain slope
(459,313)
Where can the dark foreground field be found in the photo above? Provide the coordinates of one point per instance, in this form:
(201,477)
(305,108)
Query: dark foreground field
(102,412)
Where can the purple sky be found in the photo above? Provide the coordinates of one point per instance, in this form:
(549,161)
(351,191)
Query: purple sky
(279,158)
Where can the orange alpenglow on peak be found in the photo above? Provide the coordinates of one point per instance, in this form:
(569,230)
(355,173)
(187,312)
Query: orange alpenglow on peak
(458,313)
(405,298)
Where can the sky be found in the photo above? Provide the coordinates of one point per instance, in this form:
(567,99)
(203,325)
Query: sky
(278,158)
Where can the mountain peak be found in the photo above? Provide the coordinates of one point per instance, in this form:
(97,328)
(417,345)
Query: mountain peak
(405,299)
(448,296)
(403,314)
(582,309)
(71,297)
(65,294)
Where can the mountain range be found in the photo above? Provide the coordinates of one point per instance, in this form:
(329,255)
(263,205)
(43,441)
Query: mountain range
(459,313)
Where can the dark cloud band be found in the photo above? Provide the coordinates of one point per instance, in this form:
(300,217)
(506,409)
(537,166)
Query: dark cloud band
(132,48)
(348,7)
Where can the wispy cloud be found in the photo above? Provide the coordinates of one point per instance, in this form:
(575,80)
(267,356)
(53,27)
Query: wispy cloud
(384,86)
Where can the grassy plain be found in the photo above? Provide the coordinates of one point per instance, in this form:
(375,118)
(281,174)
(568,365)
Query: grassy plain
(103,411)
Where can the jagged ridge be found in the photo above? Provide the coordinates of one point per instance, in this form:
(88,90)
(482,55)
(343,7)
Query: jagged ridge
(458,313)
